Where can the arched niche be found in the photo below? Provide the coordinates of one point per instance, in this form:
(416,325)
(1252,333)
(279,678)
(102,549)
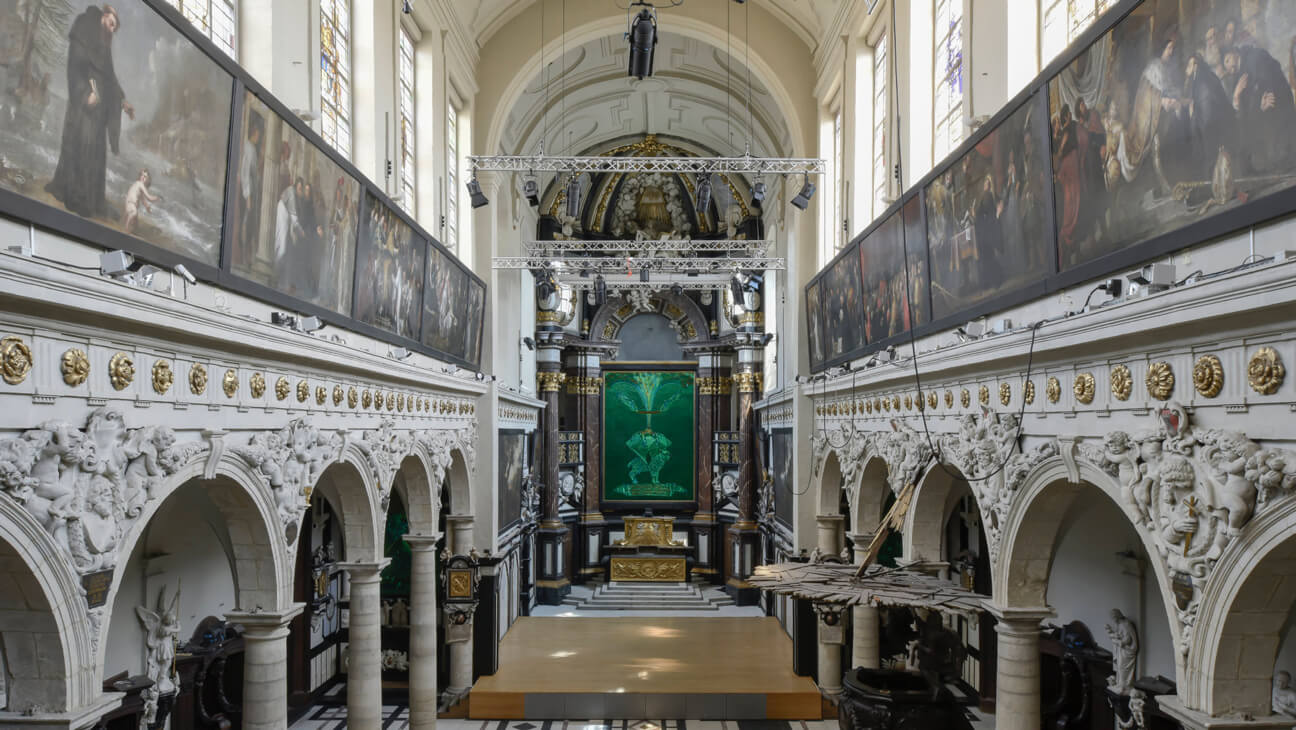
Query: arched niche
(684,315)
(347,488)
(648,337)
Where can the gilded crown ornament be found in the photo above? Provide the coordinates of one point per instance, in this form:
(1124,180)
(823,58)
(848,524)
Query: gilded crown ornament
(282,388)
(1028,392)
(1053,389)
(1208,375)
(257,385)
(1265,371)
(198,379)
(229,383)
(121,371)
(163,377)
(15,360)
(1084,388)
(75,367)
(1160,380)
(1122,382)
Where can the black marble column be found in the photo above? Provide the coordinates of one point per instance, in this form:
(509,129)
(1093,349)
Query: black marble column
(745,534)
(587,387)
(552,582)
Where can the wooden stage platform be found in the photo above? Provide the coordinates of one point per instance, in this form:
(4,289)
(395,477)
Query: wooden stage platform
(671,668)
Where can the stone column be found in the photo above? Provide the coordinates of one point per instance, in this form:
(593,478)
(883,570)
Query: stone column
(745,532)
(832,636)
(830,534)
(265,666)
(865,647)
(364,646)
(552,582)
(1017,681)
(710,385)
(587,362)
(461,533)
(423,632)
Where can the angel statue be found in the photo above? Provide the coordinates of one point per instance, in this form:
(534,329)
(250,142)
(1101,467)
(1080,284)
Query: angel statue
(162,627)
(1125,648)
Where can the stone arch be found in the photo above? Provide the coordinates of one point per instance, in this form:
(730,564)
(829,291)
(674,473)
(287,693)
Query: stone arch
(871,493)
(828,488)
(678,308)
(352,490)
(1243,608)
(459,486)
(422,498)
(48,642)
(924,529)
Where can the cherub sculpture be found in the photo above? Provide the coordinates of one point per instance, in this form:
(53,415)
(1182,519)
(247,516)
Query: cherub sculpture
(162,627)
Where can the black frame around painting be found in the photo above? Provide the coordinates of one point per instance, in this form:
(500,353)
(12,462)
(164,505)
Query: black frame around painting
(1268,207)
(63,222)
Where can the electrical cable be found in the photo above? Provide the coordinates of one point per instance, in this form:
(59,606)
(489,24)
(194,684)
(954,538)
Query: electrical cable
(65,264)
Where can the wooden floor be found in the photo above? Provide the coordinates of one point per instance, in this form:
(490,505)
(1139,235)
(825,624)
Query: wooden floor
(690,663)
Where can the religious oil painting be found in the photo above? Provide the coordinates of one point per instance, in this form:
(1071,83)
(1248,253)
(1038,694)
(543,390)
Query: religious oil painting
(988,215)
(843,306)
(895,296)
(512,463)
(474,322)
(108,112)
(648,435)
(389,271)
(445,305)
(814,325)
(1183,110)
(294,213)
(781,445)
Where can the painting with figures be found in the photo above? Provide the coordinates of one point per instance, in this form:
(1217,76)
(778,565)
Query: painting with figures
(389,271)
(512,465)
(475,322)
(988,215)
(843,306)
(781,473)
(445,305)
(108,112)
(814,325)
(294,217)
(893,304)
(1182,110)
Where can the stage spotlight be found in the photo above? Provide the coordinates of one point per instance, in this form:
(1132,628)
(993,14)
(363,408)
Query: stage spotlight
(407,7)
(573,197)
(703,192)
(643,43)
(531,189)
(736,283)
(475,194)
(310,324)
(802,199)
(758,194)
(600,291)
(529,343)
(677,289)
(645,274)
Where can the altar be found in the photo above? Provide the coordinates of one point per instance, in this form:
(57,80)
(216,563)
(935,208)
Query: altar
(649,553)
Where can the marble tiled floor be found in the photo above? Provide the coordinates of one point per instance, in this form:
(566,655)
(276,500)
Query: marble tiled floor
(396,717)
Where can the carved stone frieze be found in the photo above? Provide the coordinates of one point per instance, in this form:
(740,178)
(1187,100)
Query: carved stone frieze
(1265,371)
(121,371)
(1208,375)
(1160,380)
(75,367)
(198,379)
(385,447)
(163,377)
(15,360)
(291,459)
(979,450)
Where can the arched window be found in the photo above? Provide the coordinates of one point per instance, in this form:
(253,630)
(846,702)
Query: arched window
(407,127)
(881,77)
(214,19)
(947,65)
(452,179)
(1062,20)
(335,73)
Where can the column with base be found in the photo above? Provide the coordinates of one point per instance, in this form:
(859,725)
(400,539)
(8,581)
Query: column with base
(865,647)
(459,637)
(832,635)
(265,666)
(460,539)
(830,534)
(423,632)
(1017,677)
(364,646)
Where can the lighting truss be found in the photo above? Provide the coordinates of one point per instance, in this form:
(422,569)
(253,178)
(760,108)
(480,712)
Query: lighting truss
(709,282)
(725,265)
(684,245)
(689,165)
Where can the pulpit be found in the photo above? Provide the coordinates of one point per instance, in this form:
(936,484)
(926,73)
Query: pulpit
(649,553)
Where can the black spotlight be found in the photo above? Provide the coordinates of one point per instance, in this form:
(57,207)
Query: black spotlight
(475,194)
(736,284)
(645,274)
(758,194)
(600,291)
(545,282)
(677,289)
(531,189)
(703,192)
(573,197)
(407,7)
(802,199)
(643,42)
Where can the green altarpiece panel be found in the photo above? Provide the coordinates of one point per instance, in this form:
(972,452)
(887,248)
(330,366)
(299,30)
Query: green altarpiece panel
(648,432)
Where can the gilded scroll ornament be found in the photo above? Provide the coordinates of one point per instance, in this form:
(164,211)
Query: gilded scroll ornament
(303,391)
(877,405)
(1053,389)
(908,402)
(337,395)
(868,406)
(895,403)
(75,367)
(198,379)
(919,402)
(366,398)
(1122,382)
(391,401)
(321,395)
(229,383)
(163,377)
(281,388)
(1084,388)
(1208,375)
(121,371)
(257,384)
(965,397)
(353,397)
(1005,393)
(1265,371)
(1160,380)
(983,395)
(949,399)
(1028,392)
(932,399)
(400,402)
(15,360)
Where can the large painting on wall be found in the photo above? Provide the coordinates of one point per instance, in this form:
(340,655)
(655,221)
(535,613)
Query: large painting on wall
(814,325)
(389,271)
(988,215)
(512,461)
(294,221)
(648,431)
(1183,109)
(843,306)
(781,471)
(447,295)
(892,304)
(111,114)
(475,321)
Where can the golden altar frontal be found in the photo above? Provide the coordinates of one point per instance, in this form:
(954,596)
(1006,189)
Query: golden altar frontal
(649,553)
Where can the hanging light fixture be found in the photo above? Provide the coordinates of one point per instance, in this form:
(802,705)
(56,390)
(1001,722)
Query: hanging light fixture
(703,192)
(531,189)
(643,43)
(758,194)
(573,197)
(802,199)
(475,194)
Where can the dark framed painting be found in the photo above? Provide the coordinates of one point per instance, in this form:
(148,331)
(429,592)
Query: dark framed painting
(446,295)
(475,322)
(389,270)
(295,212)
(893,261)
(114,116)
(814,325)
(512,462)
(843,307)
(648,435)
(989,215)
(781,448)
(1183,110)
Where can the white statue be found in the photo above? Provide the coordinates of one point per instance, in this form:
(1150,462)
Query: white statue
(1137,706)
(1284,697)
(399,613)
(163,630)
(1125,648)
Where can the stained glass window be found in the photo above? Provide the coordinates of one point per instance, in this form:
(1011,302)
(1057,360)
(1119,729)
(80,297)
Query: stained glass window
(880,79)
(216,19)
(947,109)
(839,183)
(407,128)
(335,74)
(1063,20)
(452,180)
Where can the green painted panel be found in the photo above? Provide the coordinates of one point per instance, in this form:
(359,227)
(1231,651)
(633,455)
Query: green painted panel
(648,430)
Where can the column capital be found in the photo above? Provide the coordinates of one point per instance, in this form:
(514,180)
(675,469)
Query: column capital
(1195,720)
(829,519)
(364,572)
(419,543)
(1018,620)
(260,624)
(459,519)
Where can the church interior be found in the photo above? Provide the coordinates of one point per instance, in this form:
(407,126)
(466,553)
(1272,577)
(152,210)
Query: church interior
(648,364)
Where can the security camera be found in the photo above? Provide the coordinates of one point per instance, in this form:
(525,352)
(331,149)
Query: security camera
(310,324)
(399,353)
(185,273)
(529,343)
(116,264)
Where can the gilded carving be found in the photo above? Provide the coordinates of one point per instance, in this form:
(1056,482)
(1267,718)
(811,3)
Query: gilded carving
(932,399)
(1265,371)
(229,383)
(321,395)
(163,377)
(747,382)
(886,404)
(1005,393)
(877,405)
(337,395)
(303,391)
(257,384)
(662,570)
(949,399)
(1084,388)
(353,397)
(400,402)
(983,395)
(1160,380)
(281,388)
(1208,375)
(75,367)
(551,382)
(1122,382)
(15,360)
(868,406)
(1028,392)
(391,401)
(121,371)
(895,403)
(1053,389)
(366,398)
(965,397)
(198,379)
(908,402)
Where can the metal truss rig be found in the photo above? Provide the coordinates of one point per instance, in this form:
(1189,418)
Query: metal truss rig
(725,265)
(690,165)
(645,247)
(699,283)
